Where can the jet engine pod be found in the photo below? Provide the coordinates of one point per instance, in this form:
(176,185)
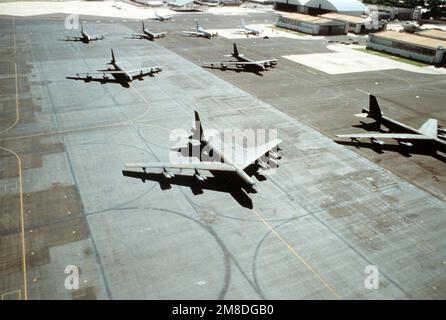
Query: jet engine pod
(198,176)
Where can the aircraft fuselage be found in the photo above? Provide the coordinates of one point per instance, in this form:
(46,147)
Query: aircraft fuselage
(85,36)
(204,33)
(149,34)
(252,31)
(250,185)
(125,74)
(256,66)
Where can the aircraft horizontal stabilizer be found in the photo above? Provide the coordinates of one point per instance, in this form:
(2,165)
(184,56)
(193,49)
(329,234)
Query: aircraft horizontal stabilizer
(253,154)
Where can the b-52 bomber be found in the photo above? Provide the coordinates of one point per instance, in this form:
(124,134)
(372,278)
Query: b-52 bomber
(85,37)
(425,136)
(248,30)
(243,63)
(200,32)
(119,74)
(161,17)
(147,34)
(227,175)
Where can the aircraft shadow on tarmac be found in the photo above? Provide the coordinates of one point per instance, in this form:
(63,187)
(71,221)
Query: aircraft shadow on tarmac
(238,70)
(215,183)
(136,38)
(372,126)
(401,149)
(70,40)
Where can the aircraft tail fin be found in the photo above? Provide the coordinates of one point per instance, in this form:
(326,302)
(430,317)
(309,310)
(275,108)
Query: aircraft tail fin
(143,27)
(242,22)
(113,60)
(82,28)
(197,130)
(374,111)
(197,26)
(430,128)
(235,52)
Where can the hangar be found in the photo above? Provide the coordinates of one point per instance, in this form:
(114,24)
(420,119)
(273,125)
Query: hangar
(311,25)
(289,5)
(411,46)
(356,24)
(349,7)
(315,7)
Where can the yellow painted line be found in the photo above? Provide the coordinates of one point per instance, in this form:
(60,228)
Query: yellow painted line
(22,222)
(297,255)
(17,112)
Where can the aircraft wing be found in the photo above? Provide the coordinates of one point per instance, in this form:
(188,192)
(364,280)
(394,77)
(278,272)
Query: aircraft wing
(99,72)
(140,73)
(220,62)
(396,136)
(269,61)
(89,78)
(250,31)
(192,33)
(94,76)
(97,37)
(208,166)
(230,63)
(73,38)
(243,63)
(139,35)
(254,153)
(160,34)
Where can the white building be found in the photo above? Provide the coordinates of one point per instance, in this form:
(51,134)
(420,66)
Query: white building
(349,7)
(358,25)
(314,7)
(289,5)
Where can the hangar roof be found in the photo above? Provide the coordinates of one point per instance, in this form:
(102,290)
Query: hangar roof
(409,38)
(344,17)
(309,19)
(293,2)
(433,33)
(338,5)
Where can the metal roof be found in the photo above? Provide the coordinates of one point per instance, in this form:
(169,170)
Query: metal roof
(338,5)
(293,2)
(309,19)
(344,17)
(433,33)
(409,38)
